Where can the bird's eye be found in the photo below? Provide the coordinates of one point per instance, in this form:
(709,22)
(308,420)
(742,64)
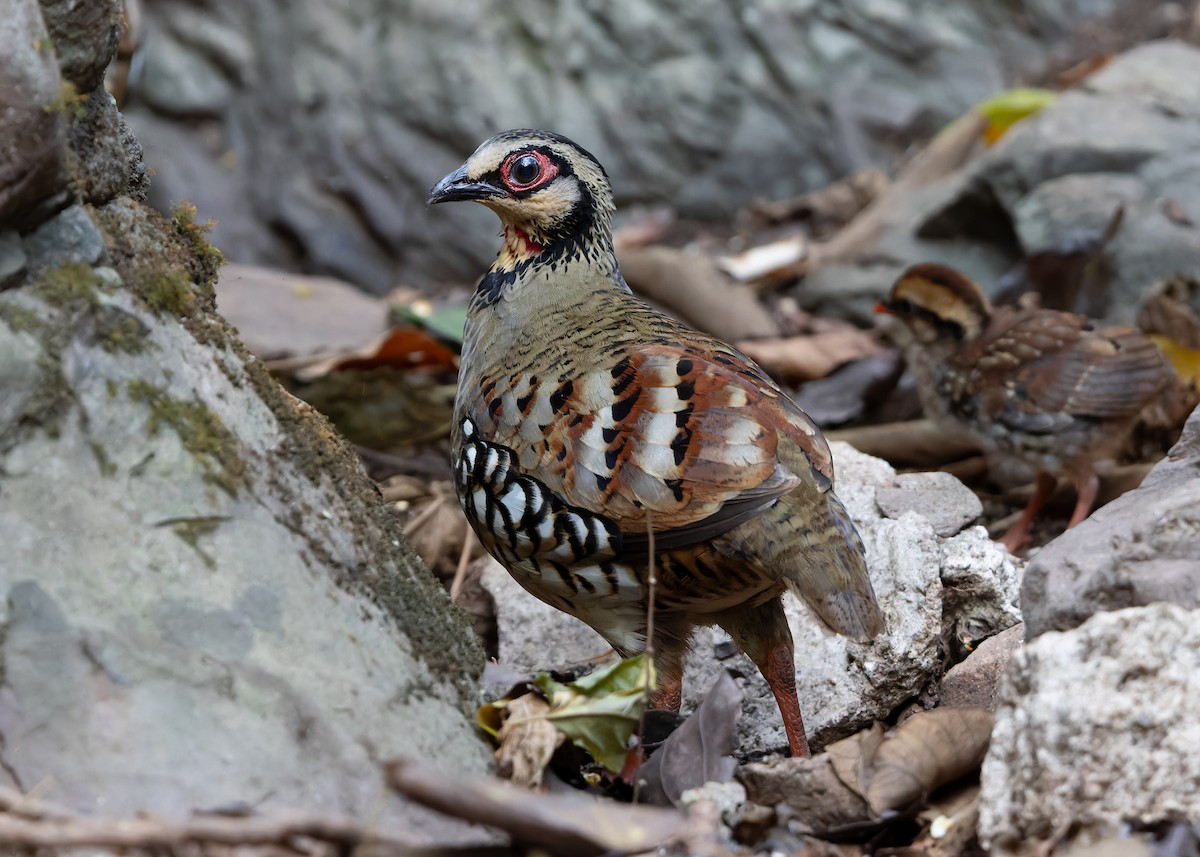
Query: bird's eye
(526,169)
(902,306)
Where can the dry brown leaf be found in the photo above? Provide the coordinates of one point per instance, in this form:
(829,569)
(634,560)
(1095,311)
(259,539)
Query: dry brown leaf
(804,358)
(690,285)
(402,347)
(527,741)
(820,799)
(930,749)
(567,824)
(826,209)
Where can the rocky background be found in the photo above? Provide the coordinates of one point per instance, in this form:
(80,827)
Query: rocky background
(212,612)
(311,131)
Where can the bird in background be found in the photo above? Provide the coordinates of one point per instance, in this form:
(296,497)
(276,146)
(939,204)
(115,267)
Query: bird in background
(1048,389)
(584,417)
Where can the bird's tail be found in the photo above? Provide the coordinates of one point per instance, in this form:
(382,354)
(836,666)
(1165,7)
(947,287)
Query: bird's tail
(816,549)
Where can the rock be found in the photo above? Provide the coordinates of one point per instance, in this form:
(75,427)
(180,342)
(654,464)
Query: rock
(1141,548)
(12,259)
(1049,188)
(1096,728)
(533,636)
(180,79)
(107,159)
(928,587)
(85,37)
(203,601)
(940,498)
(677,118)
(70,238)
(728,798)
(31,157)
(975,682)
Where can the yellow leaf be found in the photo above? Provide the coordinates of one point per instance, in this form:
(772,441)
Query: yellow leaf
(1185,361)
(1005,109)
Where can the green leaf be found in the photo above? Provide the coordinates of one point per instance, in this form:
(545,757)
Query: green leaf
(444,322)
(601,710)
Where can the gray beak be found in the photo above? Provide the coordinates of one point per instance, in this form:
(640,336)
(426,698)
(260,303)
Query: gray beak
(457,186)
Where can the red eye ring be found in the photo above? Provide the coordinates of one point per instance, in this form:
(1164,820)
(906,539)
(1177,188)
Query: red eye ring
(524,170)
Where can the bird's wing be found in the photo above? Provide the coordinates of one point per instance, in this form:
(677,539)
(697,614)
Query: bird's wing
(1050,368)
(690,436)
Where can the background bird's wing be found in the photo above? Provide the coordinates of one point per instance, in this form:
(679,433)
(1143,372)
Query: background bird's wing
(689,436)
(1067,370)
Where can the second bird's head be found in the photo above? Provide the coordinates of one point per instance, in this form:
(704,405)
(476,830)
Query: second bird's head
(539,183)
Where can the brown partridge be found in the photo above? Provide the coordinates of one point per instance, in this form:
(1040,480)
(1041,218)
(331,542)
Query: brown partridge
(583,415)
(1048,388)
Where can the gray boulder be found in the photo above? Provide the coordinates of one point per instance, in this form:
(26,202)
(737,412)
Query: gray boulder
(1096,730)
(203,602)
(333,120)
(1141,548)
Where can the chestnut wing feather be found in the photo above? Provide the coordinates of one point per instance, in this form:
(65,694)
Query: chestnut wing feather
(691,437)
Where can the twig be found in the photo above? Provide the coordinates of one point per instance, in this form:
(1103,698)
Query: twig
(30,823)
(651,582)
(460,570)
(421,517)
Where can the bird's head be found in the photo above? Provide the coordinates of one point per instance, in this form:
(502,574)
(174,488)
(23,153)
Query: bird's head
(936,302)
(546,190)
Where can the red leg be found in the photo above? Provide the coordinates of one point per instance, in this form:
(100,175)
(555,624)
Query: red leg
(1085,489)
(669,693)
(780,673)
(1018,534)
(670,648)
(763,634)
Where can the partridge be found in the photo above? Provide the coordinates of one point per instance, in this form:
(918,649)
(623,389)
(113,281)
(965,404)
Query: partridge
(586,421)
(1049,389)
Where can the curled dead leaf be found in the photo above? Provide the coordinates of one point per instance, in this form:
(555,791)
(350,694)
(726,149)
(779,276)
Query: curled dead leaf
(527,741)
(804,358)
(690,285)
(930,749)
(402,347)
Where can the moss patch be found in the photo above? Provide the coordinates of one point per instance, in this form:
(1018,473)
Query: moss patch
(69,285)
(53,398)
(69,102)
(168,263)
(107,468)
(20,319)
(203,434)
(206,259)
(171,292)
(118,331)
